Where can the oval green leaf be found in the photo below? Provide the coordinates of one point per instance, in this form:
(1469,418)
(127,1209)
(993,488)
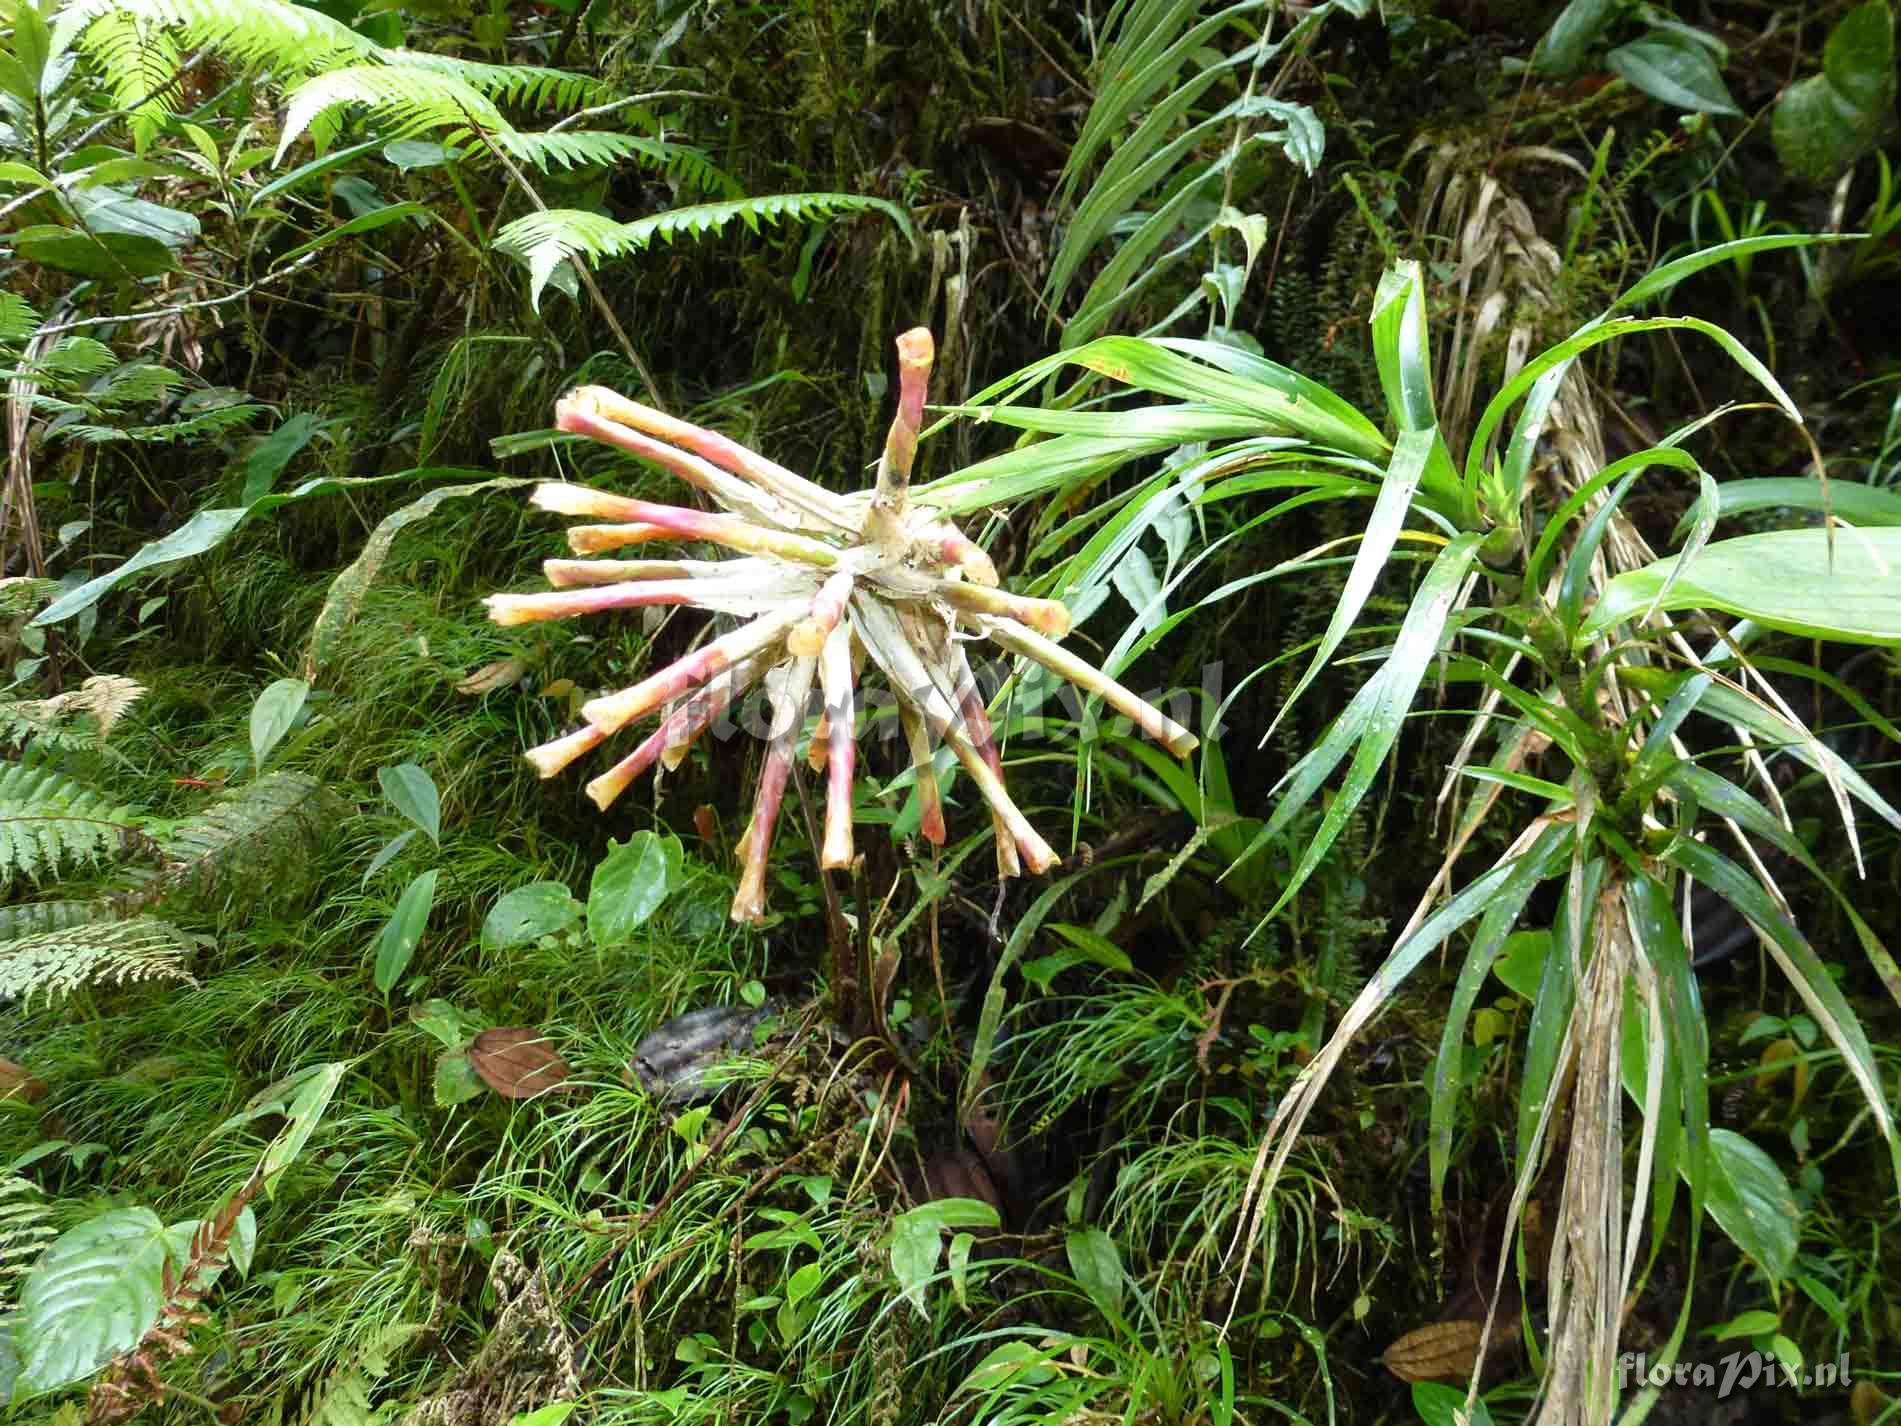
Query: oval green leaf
(403,933)
(630,883)
(1784,579)
(528,913)
(273,715)
(412,792)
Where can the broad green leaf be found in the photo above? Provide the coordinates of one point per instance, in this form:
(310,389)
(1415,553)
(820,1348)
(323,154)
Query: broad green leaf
(1098,1267)
(553,1414)
(388,853)
(1827,121)
(1442,1405)
(1661,279)
(94,1293)
(273,715)
(1751,1201)
(442,1022)
(1400,348)
(412,792)
(630,883)
(403,932)
(454,1080)
(114,257)
(207,529)
(1673,70)
(270,455)
(369,222)
(527,913)
(917,1236)
(1847,500)
(202,532)
(1578,26)
(1538,379)
(1783,579)
(1390,509)
(315,1088)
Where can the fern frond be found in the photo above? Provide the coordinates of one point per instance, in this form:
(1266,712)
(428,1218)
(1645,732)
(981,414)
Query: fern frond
(104,698)
(528,85)
(23,594)
(589,148)
(19,319)
(252,34)
(254,835)
(215,422)
(136,384)
(343,1398)
(147,58)
(543,241)
(49,821)
(25,1226)
(406,99)
(36,918)
(108,952)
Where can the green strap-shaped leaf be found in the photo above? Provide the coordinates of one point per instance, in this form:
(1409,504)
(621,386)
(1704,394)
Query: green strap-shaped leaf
(1540,862)
(1804,969)
(1371,722)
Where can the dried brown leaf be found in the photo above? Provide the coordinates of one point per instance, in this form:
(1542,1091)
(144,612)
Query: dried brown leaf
(503,673)
(1439,1351)
(16,1083)
(515,1062)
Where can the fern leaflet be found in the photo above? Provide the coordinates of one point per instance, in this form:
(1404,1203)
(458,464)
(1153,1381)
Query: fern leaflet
(114,952)
(588,148)
(25,1226)
(36,918)
(409,98)
(543,241)
(49,821)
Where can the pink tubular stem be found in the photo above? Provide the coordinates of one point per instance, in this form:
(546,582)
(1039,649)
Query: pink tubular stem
(614,711)
(550,758)
(722,451)
(930,799)
(572,574)
(582,419)
(788,716)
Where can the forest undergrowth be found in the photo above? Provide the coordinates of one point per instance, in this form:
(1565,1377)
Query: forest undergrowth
(1309,835)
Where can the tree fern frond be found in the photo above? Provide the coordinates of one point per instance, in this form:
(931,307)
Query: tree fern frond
(26,1223)
(136,384)
(146,56)
(528,85)
(263,833)
(406,98)
(543,241)
(24,594)
(255,34)
(36,918)
(585,148)
(104,698)
(19,319)
(107,952)
(215,422)
(49,821)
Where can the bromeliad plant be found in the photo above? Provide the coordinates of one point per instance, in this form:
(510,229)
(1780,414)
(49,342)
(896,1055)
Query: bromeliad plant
(824,581)
(1582,688)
